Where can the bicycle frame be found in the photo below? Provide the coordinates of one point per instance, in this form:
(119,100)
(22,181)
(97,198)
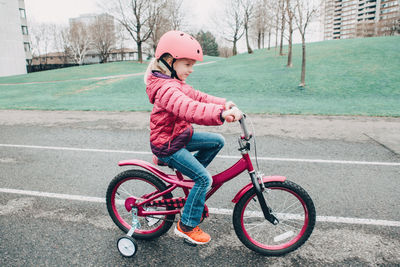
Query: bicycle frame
(177,181)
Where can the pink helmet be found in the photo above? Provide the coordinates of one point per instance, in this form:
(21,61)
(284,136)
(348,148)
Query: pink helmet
(179,45)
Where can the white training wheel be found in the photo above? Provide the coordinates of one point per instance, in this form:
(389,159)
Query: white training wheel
(127,246)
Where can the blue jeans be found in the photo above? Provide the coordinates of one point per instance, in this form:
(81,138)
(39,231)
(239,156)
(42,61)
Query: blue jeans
(194,166)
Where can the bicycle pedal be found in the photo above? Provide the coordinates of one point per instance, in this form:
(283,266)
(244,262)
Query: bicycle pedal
(189,243)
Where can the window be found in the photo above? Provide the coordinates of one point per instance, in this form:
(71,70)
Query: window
(24,30)
(27,47)
(22,13)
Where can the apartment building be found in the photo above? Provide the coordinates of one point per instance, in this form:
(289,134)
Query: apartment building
(360,18)
(15,48)
(91,18)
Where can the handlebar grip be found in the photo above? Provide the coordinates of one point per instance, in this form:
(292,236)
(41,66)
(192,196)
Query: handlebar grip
(244,128)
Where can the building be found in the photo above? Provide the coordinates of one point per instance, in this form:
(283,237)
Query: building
(123,54)
(92,56)
(90,18)
(15,48)
(64,59)
(360,18)
(55,60)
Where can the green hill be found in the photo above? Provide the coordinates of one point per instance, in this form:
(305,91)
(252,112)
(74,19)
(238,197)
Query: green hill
(346,77)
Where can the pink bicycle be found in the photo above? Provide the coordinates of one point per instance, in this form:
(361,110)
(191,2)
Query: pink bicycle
(272,215)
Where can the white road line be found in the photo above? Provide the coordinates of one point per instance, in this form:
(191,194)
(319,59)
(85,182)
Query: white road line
(328,219)
(77,149)
(52,195)
(220,156)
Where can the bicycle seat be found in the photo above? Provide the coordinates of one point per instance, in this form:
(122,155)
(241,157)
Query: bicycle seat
(158,162)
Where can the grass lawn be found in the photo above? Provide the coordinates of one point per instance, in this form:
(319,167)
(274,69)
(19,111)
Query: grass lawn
(344,77)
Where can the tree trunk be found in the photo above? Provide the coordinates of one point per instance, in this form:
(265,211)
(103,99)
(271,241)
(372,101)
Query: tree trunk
(276,38)
(234,50)
(249,50)
(263,39)
(281,45)
(289,63)
(139,40)
(139,48)
(282,29)
(269,40)
(303,62)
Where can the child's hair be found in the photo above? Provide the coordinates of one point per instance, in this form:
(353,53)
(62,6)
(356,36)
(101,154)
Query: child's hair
(156,64)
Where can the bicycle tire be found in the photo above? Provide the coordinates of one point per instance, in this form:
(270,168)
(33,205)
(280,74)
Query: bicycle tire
(290,233)
(134,182)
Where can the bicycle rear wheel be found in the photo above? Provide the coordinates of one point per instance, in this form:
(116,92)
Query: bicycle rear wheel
(140,185)
(290,204)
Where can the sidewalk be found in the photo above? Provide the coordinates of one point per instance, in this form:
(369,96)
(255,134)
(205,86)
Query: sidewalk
(383,130)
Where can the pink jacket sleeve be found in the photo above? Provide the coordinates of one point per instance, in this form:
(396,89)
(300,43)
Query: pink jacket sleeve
(175,101)
(206,98)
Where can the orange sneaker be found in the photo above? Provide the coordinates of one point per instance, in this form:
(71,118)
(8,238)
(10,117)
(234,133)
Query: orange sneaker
(196,236)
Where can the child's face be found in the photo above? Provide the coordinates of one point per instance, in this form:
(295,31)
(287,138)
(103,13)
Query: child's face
(184,67)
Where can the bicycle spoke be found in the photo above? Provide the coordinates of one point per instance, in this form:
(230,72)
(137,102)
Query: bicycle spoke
(287,208)
(256,225)
(123,190)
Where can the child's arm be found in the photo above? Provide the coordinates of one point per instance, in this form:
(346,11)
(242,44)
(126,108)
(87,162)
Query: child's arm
(206,98)
(175,101)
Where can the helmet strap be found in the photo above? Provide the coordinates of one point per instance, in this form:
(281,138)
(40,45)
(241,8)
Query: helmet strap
(170,68)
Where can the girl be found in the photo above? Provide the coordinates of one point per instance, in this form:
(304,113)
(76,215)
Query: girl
(175,106)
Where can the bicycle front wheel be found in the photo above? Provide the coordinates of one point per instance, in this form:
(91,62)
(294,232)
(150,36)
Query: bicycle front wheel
(290,204)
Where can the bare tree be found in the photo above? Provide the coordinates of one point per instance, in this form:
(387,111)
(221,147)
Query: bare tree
(248,12)
(269,6)
(224,51)
(305,10)
(169,18)
(77,40)
(282,24)
(174,14)
(290,15)
(60,36)
(121,37)
(137,16)
(103,36)
(389,24)
(234,23)
(41,40)
(262,22)
(365,29)
(277,11)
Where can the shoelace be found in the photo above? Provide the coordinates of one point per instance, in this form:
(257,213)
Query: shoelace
(197,231)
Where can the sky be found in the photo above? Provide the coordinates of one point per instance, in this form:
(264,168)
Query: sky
(59,11)
(199,14)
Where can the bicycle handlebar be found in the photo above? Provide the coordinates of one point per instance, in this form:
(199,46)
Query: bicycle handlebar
(246,134)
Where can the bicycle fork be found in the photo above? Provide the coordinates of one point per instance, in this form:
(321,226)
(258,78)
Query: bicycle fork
(256,181)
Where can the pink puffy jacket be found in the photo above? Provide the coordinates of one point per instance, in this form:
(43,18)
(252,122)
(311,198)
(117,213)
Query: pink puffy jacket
(175,106)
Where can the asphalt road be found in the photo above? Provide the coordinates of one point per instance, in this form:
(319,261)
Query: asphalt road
(354,183)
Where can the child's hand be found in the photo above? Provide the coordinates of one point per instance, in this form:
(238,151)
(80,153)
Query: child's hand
(233,114)
(229,105)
